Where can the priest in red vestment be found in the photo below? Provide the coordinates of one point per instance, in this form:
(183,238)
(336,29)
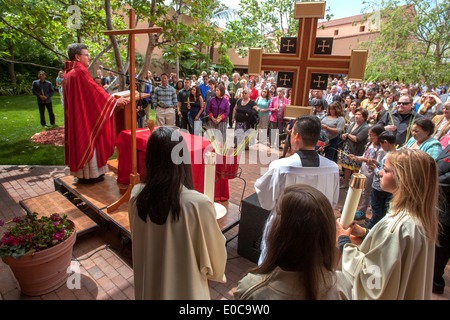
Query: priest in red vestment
(88,119)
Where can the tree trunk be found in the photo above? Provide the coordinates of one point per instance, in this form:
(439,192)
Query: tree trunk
(12,74)
(211,51)
(115,45)
(199,61)
(150,46)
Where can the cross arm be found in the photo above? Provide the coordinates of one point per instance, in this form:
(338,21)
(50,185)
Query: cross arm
(133,31)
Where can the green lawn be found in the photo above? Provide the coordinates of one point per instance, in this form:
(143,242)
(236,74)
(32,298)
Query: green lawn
(19,121)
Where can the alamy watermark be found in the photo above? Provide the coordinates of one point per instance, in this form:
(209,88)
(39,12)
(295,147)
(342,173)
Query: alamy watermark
(74,21)
(74,279)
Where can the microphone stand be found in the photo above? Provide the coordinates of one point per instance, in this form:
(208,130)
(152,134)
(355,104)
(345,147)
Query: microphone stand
(119,73)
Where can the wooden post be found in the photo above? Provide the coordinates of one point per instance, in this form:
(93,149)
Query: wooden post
(134,175)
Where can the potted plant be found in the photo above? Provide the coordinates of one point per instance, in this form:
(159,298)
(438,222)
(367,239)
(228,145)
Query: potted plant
(38,251)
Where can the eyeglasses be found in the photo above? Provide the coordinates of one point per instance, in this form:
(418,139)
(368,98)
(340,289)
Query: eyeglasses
(403,103)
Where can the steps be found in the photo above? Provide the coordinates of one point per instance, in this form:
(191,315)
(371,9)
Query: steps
(55,202)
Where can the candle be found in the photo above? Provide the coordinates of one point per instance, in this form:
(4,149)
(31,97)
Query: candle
(210,175)
(352,200)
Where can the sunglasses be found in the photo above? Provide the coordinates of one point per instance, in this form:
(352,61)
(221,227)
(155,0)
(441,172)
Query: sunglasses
(403,103)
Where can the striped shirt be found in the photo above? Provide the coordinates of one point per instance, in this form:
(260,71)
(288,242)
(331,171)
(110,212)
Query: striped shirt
(165,97)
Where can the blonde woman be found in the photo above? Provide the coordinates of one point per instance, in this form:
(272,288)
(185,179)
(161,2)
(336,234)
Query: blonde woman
(240,92)
(396,258)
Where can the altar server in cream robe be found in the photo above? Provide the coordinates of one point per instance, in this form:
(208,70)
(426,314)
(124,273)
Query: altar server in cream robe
(176,241)
(396,259)
(305,166)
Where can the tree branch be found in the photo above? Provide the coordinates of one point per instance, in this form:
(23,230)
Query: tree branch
(106,49)
(114,43)
(29,63)
(59,55)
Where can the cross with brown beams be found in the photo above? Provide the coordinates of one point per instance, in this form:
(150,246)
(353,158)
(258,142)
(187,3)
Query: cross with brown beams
(304,63)
(134,175)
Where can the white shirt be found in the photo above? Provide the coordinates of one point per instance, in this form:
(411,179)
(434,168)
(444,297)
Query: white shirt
(288,171)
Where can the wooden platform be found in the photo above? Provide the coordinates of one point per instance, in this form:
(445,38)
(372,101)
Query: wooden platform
(100,195)
(55,202)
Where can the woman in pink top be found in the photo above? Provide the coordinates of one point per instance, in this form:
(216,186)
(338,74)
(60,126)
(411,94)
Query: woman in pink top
(276,109)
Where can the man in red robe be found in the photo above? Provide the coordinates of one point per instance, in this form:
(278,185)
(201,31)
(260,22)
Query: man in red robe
(89,125)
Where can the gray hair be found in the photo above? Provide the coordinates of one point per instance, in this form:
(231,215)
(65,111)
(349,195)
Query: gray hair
(371,90)
(73,49)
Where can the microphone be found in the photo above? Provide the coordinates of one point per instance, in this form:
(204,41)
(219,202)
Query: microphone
(103,68)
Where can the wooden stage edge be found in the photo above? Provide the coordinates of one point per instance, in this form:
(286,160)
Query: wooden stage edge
(100,195)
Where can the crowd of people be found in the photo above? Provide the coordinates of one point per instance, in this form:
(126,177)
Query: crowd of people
(395,134)
(336,107)
(378,129)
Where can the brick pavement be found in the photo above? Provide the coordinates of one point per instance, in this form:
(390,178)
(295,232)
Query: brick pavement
(104,263)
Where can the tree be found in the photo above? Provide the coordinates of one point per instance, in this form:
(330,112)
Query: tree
(45,25)
(413,43)
(262,24)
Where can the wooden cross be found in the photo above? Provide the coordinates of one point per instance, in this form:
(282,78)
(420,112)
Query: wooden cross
(134,175)
(304,62)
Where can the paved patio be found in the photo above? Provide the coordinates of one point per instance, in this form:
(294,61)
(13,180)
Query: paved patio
(105,264)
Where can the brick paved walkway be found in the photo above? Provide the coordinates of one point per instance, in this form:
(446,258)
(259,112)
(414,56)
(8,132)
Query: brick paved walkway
(104,263)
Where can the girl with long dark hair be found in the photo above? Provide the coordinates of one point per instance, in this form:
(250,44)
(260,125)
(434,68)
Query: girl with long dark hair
(177,245)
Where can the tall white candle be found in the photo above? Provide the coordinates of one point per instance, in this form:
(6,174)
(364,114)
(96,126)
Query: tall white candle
(352,200)
(210,175)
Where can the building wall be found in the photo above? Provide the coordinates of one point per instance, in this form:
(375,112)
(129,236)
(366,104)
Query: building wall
(348,33)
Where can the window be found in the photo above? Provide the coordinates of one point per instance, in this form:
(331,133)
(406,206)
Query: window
(336,32)
(362,28)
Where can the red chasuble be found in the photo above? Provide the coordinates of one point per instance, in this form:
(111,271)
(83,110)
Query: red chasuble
(88,123)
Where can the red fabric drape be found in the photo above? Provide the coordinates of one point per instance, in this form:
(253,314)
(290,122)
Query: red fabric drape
(88,120)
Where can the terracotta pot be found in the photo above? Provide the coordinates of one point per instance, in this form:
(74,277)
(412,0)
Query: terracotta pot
(44,271)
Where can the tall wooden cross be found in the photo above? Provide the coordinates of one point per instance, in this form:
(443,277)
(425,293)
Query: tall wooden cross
(309,70)
(134,175)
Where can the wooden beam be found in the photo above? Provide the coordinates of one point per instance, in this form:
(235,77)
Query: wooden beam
(132,31)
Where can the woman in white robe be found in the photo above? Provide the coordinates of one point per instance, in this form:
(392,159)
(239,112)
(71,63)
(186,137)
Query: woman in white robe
(396,258)
(177,244)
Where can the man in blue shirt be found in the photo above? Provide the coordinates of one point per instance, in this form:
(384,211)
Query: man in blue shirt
(204,87)
(44,91)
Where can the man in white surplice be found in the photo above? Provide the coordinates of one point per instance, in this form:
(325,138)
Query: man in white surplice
(305,166)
